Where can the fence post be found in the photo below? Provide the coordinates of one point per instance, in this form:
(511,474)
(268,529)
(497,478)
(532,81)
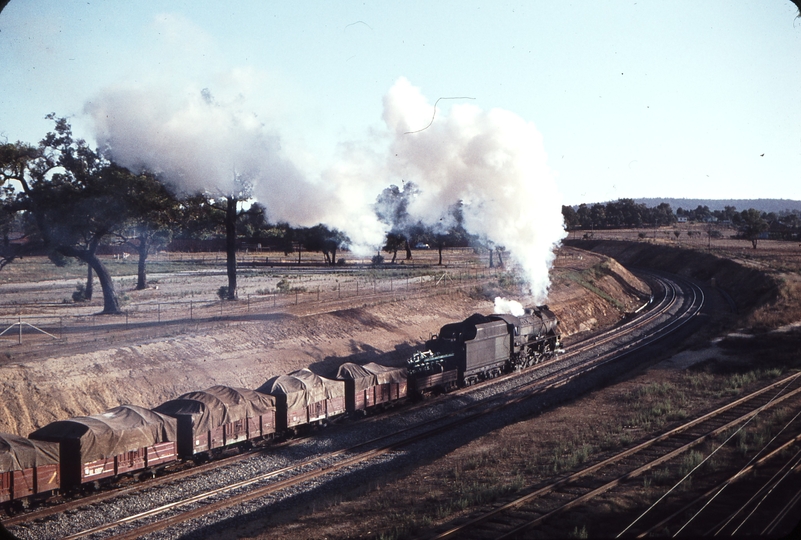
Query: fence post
(61,327)
(339,290)
(191,310)
(159,310)
(20,330)
(296,297)
(318,293)
(248,303)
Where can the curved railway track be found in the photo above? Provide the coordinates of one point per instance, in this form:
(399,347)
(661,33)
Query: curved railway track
(674,308)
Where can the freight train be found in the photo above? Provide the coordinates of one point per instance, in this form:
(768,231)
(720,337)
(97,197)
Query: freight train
(78,453)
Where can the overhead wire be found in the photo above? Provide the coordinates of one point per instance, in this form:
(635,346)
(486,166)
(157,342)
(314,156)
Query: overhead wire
(707,458)
(752,460)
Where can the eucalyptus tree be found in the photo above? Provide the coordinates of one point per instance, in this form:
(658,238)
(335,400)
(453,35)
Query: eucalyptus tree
(74,197)
(154,212)
(210,212)
(326,240)
(752,225)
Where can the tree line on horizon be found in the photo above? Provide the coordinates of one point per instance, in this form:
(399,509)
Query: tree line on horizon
(68,201)
(750,223)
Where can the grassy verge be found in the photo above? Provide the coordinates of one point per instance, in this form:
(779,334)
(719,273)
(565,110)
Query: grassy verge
(504,464)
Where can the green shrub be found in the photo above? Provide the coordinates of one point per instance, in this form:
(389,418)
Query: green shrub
(222,292)
(80,293)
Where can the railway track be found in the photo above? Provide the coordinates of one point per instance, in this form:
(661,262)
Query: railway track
(573,364)
(541,503)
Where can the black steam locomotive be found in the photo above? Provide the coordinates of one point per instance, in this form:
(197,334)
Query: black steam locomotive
(482,347)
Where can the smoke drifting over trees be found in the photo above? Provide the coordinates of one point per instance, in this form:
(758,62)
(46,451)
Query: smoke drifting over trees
(492,161)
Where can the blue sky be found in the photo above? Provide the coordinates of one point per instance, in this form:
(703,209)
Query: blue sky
(631,99)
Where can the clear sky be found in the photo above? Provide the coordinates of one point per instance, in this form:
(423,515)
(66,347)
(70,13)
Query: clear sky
(697,98)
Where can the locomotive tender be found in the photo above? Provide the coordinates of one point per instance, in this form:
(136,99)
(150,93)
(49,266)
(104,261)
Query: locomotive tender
(483,347)
(131,440)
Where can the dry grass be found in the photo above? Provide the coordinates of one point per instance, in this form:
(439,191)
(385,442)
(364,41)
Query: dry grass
(784,310)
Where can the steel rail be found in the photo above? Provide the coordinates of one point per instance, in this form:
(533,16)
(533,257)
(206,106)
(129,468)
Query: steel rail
(455,531)
(614,459)
(740,474)
(764,459)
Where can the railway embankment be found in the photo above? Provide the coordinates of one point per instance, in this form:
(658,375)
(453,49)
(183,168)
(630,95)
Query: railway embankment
(751,292)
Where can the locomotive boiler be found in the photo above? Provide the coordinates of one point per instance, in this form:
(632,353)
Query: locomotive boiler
(482,347)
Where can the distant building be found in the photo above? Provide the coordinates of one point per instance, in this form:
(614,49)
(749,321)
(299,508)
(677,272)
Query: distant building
(682,219)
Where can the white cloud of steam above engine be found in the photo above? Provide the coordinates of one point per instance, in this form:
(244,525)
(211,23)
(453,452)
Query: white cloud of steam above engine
(493,161)
(513,307)
(199,143)
(199,139)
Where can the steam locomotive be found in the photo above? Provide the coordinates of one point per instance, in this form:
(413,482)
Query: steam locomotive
(483,347)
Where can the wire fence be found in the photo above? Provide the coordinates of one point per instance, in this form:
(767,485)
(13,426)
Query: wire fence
(22,323)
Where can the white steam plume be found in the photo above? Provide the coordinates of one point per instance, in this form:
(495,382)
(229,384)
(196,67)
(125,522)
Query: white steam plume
(504,305)
(199,143)
(493,161)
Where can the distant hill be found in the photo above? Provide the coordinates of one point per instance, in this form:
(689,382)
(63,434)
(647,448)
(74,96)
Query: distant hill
(763,205)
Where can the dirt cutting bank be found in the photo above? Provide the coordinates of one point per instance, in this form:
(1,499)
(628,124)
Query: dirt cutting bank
(589,291)
(748,287)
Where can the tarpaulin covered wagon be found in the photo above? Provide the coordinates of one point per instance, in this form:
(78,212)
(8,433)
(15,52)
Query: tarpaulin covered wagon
(27,467)
(124,439)
(372,385)
(219,416)
(303,397)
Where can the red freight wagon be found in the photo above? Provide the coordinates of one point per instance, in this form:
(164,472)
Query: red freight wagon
(219,416)
(303,397)
(27,467)
(372,385)
(121,440)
